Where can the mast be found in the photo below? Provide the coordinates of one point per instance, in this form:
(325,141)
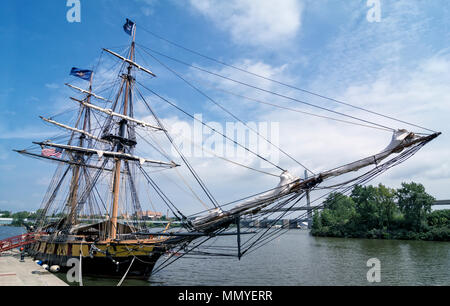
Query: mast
(74,185)
(120,146)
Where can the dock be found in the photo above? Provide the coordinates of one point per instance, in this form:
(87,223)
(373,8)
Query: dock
(13,272)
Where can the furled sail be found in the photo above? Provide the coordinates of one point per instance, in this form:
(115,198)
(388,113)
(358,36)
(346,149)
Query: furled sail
(130,62)
(101,153)
(110,112)
(75,130)
(400,140)
(89,93)
(287,182)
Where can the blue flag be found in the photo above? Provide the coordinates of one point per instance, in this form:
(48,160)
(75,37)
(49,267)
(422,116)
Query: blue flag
(83,74)
(128,27)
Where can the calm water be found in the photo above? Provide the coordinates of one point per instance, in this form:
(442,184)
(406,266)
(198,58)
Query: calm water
(297,259)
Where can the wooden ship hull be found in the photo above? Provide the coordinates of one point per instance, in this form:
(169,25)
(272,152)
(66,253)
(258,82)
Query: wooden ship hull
(101,259)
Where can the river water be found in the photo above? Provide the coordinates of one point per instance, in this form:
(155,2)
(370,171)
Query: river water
(297,259)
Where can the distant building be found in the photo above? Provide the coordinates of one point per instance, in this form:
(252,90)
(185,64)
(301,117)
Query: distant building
(6,221)
(145,215)
(149,215)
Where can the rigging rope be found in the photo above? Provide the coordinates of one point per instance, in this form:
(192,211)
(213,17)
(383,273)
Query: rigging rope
(281,83)
(191,169)
(268,91)
(227,111)
(126,273)
(201,147)
(161,194)
(363,179)
(299,111)
(214,130)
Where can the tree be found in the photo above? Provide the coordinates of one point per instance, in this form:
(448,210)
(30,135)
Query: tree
(38,214)
(415,204)
(21,215)
(439,218)
(5,214)
(381,212)
(385,199)
(375,206)
(335,219)
(366,207)
(316,222)
(342,208)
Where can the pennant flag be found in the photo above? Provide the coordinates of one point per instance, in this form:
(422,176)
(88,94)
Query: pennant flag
(51,152)
(83,74)
(128,27)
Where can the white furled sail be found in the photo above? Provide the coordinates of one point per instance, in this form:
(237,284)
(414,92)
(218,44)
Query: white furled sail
(87,92)
(112,113)
(63,161)
(400,140)
(130,62)
(287,182)
(118,155)
(74,130)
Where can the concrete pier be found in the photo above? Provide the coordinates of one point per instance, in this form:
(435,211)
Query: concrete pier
(28,273)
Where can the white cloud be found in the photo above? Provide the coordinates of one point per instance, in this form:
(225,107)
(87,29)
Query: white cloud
(3,153)
(361,49)
(30,132)
(147,6)
(254,22)
(52,86)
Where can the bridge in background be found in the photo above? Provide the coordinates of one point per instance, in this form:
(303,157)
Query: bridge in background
(441,202)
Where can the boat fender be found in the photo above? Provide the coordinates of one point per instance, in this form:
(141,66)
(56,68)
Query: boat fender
(54,269)
(45,266)
(39,262)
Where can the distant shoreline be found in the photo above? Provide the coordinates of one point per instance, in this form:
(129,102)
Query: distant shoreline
(429,236)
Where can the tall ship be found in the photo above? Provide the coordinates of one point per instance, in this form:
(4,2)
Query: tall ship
(92,210)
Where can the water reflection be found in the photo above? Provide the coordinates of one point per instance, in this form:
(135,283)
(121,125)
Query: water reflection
(297,259)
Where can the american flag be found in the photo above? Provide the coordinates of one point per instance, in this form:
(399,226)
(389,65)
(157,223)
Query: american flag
(51,152)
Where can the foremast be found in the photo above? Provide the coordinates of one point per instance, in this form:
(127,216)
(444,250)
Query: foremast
(115,145)
(128,96)
(74,185)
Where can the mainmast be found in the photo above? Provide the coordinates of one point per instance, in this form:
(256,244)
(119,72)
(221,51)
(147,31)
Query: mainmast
(128,78)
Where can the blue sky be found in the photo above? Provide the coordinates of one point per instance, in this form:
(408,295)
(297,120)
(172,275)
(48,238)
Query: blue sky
(398,66)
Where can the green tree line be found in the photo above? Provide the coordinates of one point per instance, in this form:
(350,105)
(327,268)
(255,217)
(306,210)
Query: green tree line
(384,213)
(19,217)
